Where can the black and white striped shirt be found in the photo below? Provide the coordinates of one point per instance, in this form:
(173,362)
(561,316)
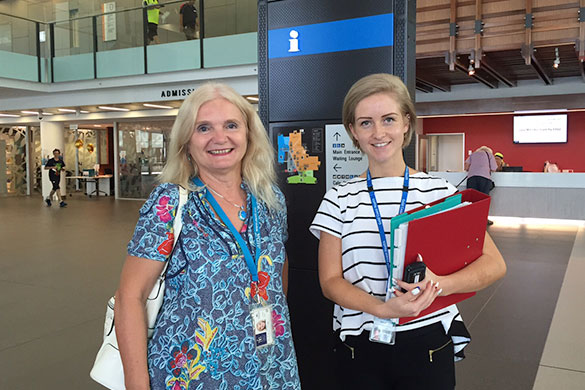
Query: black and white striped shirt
(346,212)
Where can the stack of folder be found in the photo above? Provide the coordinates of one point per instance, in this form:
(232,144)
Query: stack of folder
(449,234)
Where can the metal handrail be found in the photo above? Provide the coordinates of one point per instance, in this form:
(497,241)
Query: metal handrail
(87,16)
(115,12)
(51,26)
(22,18)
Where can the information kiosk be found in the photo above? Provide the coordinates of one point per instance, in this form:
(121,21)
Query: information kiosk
(309,54)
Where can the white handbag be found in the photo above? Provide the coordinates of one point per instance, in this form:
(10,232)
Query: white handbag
(107,369)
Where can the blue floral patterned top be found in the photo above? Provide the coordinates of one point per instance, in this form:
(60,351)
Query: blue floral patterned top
(203,336)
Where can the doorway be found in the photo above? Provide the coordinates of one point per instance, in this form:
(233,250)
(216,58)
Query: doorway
(445,152)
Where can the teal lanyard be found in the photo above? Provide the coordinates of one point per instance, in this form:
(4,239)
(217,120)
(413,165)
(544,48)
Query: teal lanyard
(250,261)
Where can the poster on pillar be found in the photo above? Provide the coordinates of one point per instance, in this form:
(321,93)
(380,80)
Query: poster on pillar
(298,152)
(343,161)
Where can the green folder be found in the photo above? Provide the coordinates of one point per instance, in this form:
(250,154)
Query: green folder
(398,220)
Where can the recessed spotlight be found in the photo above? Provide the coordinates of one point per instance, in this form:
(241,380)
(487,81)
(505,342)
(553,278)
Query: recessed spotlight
(156,106)
(113,108)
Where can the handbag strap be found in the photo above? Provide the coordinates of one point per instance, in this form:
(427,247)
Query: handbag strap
(489,160)
(177,224)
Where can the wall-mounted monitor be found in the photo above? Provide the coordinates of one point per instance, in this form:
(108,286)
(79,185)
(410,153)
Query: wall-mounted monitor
(538,129)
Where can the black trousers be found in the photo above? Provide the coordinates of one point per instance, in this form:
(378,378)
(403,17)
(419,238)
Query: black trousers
(420,359)
(480,183)
(55,183)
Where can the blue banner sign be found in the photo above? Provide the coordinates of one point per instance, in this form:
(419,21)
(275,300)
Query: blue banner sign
(341,35)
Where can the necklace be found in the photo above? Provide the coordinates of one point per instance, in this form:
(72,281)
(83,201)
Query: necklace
(241,213)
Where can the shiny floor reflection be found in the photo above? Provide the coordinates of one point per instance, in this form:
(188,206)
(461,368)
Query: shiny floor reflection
(59,266)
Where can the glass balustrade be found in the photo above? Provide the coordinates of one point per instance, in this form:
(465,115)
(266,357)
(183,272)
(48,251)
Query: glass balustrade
(230,31)
(121,42)
(18,48)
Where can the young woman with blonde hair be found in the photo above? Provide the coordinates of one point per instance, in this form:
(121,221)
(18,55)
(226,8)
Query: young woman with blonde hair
(353,224)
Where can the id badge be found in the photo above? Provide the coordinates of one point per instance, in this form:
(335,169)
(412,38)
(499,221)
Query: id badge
(262,323)
(383,331)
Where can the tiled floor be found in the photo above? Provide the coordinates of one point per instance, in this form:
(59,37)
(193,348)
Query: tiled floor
(509,321)
(59,266)
(563,361)
(57,269)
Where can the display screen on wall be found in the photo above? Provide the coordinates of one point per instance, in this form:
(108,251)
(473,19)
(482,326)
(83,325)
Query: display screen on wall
(538,129)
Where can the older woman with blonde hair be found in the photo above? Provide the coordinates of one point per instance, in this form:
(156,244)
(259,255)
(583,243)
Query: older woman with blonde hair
(227,271)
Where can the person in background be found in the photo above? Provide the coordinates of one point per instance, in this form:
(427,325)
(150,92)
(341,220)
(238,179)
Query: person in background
(189,22)
(479,166)
(378,115)
(550,167)
(153,16)
(55,166)
(500,161)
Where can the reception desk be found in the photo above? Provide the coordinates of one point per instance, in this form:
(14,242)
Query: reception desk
(532,194)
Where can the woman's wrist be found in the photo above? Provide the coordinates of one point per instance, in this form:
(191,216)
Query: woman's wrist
(445,284)
(382,309)
(377,309)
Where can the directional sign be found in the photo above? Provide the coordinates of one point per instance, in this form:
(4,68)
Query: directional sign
(343,160)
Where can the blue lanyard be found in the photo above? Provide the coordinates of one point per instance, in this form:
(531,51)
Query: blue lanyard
(251,262)
(389,262)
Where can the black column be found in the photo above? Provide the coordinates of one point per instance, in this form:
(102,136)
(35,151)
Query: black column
(302,84)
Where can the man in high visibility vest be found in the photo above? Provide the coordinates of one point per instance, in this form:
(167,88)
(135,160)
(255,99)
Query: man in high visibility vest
(153,15)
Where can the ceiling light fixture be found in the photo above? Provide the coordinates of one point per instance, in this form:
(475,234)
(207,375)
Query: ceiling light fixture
(10,115)
(557,60)
(83,112)
(113,108)
(156,106)
(66,110)
(252,98)
(30,112)
(47,113)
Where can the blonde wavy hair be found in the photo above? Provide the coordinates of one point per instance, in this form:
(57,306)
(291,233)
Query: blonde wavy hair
(371,85)
(258,163)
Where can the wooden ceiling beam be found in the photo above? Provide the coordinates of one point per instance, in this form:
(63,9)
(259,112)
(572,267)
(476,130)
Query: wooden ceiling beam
(527,47)
(422,87)
(478,77)
(538,68)
(478,32)
(434,84)
(452,36)
(581,41)
(496,72)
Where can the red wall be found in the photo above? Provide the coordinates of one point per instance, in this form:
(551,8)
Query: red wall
(496,131)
